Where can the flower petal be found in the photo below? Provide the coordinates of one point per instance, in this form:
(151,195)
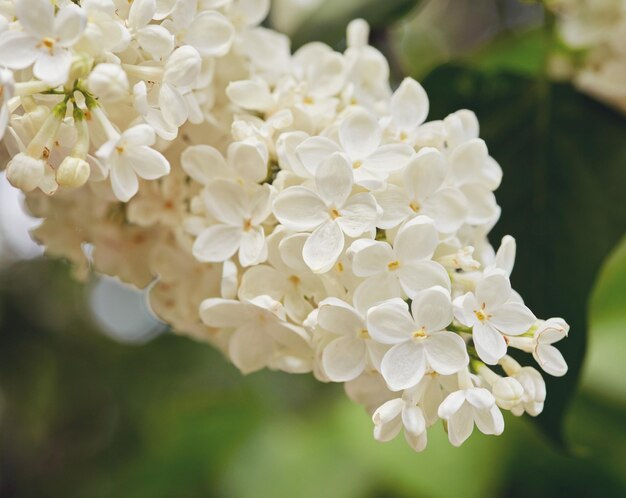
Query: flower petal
(512,318)
(300,209)
(323,247)
(218,312)
(211,34)
(432,309)
(409,105)
(404,365)
(253,249)
(339,317)
(69,25)
(425,173)
(358,214)
(461,425)
(371,257)
(493,291)
(344,359)
(334,180)
(53,69)
(490,345)
(314,150)
(123,180)
(250,348)
(250,94)
(226,201)
(17,49)
(36,16)
(217,243)
(390,322)
(249,160)
(416,240)
(550,359)
(204,163)
(359,134)
(388,158)
(413,420)
(422,275)
(446,352)
(147,163)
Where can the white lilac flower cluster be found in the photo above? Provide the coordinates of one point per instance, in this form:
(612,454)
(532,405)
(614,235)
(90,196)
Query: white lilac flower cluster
(595,32)
(288,208)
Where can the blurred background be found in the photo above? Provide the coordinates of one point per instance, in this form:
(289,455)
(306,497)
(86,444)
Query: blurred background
(99,399)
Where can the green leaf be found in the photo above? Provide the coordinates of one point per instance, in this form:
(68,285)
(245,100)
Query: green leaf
(328,22)
(562,196)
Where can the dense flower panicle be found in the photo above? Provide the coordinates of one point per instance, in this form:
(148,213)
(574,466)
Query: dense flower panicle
(595,33)
(290,209)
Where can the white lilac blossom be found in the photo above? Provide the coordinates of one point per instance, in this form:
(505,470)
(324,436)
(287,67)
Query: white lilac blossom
(290,209)
(593,41)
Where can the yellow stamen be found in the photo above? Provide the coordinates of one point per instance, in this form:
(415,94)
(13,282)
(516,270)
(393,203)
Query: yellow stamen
(415,207)
(394,265)
(364,334)
(247,225)
(357,164)
(334,214)
(419,334)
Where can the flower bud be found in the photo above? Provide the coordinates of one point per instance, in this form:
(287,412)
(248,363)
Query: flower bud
(508,392)
(108,82)
(73,172)
(25,172)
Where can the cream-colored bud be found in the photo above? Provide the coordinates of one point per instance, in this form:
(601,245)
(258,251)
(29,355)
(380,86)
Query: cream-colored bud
(73,172)
(108,82)
(25,172)
(508,392)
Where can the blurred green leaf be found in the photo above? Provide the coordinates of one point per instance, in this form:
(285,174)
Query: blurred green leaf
(520,53)
(564,162)
(328,22)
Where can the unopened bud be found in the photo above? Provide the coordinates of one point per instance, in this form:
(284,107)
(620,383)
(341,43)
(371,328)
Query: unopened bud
(508,392)
(25,172)
(73,172)
(108,82)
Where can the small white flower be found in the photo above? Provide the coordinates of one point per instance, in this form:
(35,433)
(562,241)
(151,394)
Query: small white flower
(548,357)
(345,357)
(420,342)
(423,192)
(408,108)
(129,156)
(398,413)
(404,269)
(466,407)
(153,38)
(492,313)
(360,138)
(45,41)
(330,212)
(245,161)
(239,214)
(260,330)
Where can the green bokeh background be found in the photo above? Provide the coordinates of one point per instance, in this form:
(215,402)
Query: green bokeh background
(84,416)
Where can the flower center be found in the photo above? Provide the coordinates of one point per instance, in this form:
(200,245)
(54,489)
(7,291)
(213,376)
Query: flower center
(420,333)
(364,334)
(394,265)
(308,100)
(415,207)
(294,279)
(48,43)
(334,214)
(119,149)
(247,225)
(357,164)
(481,315)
